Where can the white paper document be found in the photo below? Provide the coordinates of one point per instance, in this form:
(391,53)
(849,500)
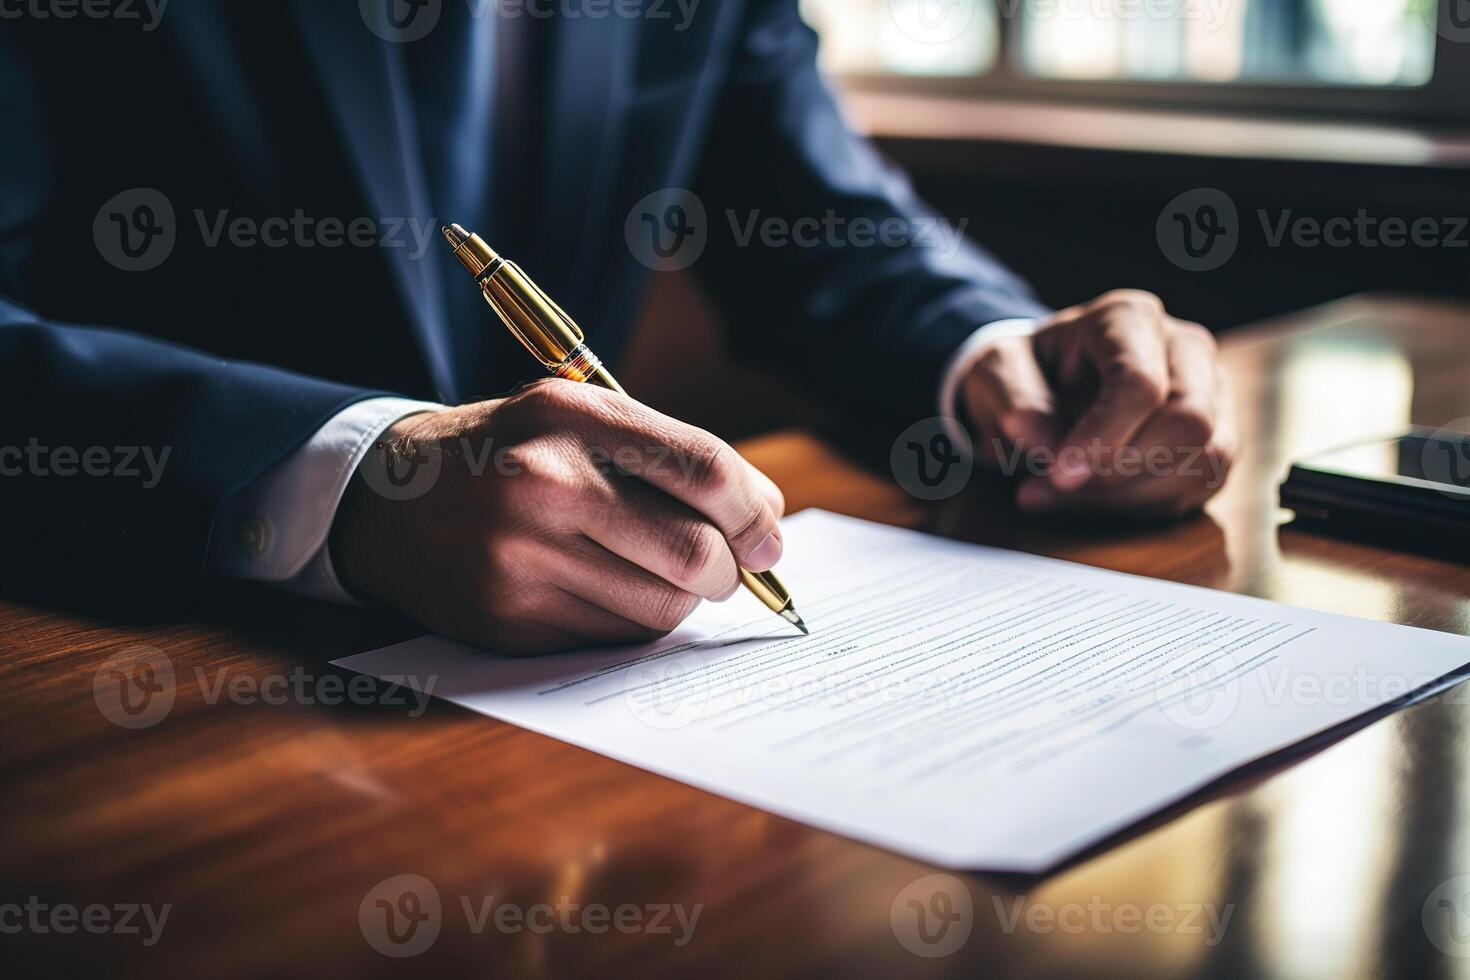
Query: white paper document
(973,707)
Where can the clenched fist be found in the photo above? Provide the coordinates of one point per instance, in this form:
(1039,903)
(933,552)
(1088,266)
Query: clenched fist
(562,516)
(1125,405)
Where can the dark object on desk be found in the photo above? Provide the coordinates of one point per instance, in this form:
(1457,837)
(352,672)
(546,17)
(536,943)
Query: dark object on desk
(1411,492)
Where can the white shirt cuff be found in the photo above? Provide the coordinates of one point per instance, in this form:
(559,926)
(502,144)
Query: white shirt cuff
(959,365)
(276,529)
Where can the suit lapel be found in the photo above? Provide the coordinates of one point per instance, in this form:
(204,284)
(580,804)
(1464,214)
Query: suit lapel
(362,76)
(591,86)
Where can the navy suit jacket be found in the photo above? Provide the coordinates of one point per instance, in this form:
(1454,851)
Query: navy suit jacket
(230,357)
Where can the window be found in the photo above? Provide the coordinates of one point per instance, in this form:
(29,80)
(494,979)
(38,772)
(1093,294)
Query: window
(1375,56)
(905,37)
(1351,42)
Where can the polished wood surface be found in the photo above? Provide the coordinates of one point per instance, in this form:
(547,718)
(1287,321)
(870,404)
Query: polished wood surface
(264,826)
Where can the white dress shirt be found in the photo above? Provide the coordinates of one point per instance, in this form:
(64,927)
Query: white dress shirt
(276,529)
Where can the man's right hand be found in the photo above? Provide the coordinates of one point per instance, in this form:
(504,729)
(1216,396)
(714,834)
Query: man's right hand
(562,516)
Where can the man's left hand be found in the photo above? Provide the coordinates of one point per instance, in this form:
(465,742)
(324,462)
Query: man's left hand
(1112,405)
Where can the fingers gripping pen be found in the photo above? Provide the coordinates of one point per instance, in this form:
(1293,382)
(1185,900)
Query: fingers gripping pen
(558,343)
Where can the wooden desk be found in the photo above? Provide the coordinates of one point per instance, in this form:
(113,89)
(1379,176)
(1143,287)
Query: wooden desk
(265,826)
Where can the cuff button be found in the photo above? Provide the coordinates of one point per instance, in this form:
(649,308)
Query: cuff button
(255,536)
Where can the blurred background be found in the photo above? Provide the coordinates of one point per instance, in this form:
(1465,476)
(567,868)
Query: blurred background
(1059,131)
(1341,42)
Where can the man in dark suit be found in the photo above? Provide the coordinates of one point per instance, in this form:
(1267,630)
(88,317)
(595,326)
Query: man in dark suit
(221,297)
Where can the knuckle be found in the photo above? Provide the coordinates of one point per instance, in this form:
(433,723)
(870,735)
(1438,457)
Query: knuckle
(699,553)
(1139,299)
(750,518)
(519,460)
(560,496)
(544,463)
(512,605)
(1011,421)
(712,467)
(670,609)
(548,399)
(1024,416)
(1198,334)
(495,561)
(993,360)
(1021,424)
(1141,384)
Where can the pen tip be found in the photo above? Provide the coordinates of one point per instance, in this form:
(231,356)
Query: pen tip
(454,235)
(790,615)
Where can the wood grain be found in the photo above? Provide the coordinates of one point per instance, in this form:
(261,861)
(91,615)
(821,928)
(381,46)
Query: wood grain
(264,825)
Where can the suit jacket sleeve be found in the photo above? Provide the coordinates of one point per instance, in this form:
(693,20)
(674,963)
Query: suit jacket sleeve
(846,307)
(116,449)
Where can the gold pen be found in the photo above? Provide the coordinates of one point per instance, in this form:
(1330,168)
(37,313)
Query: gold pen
(557,342)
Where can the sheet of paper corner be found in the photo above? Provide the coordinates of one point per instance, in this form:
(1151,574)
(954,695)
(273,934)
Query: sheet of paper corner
(1024,819)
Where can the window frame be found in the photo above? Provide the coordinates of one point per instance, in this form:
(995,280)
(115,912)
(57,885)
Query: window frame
(1432,102)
